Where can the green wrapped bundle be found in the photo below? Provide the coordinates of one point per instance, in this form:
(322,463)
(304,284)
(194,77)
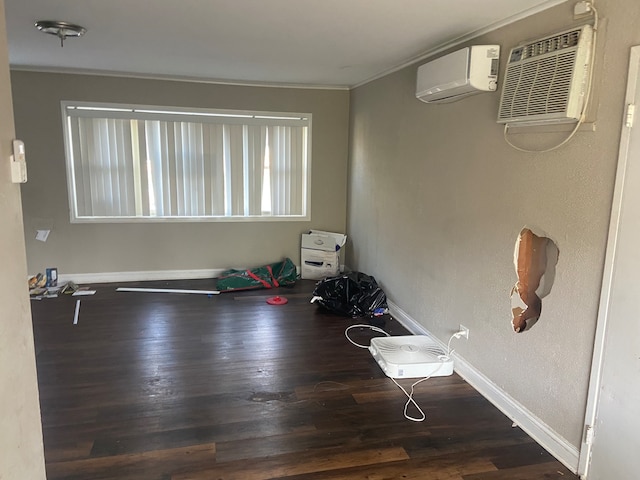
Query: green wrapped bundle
(279,274)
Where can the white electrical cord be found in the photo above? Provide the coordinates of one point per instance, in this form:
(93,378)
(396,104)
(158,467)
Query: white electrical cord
(409,395)
(583,113)
(370,327)
(411,401)
(546,150)
(455,335)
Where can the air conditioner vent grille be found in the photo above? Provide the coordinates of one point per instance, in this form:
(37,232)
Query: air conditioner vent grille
(551,44)
(545,81)
(537,88)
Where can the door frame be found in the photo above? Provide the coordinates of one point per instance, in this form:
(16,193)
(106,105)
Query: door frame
(595,379)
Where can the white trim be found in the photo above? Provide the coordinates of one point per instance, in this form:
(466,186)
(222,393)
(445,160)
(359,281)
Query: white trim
(593,396)
(173,78)
(464,38)
(168,290)
(76,313)
(548,438)
(141,276)
(408,322)
(128,111)
(212,219)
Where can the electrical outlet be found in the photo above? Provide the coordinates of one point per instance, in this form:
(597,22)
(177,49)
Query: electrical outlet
(464,331)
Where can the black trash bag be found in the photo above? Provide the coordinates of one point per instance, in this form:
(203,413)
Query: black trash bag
(354,294)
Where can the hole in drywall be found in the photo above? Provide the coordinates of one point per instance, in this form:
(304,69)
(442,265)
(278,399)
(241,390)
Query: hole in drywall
(535,259)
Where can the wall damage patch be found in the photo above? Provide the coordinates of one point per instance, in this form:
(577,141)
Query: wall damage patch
(535,259)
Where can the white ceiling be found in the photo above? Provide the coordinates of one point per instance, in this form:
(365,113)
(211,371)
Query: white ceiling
(333,43)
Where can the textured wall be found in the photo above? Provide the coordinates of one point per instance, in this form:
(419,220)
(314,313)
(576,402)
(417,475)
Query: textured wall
(437,199)
(95,248)
(21,451)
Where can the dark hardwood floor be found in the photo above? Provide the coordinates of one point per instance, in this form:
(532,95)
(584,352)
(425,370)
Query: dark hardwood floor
(173,387)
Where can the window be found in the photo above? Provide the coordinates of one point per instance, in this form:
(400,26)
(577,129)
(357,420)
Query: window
(139,163)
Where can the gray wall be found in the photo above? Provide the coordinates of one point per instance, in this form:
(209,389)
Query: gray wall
(84,248)
(437,198)
(21,450)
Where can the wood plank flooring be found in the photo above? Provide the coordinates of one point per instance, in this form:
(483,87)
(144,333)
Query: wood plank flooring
(156,386)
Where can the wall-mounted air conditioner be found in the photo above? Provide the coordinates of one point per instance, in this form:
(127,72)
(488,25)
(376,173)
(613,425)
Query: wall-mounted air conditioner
(546,80)
(459,74)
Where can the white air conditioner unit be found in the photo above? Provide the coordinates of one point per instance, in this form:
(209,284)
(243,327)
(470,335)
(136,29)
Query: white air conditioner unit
(546,80)
(459,74)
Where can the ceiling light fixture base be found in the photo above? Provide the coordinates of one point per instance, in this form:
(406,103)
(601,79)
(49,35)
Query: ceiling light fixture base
(62,30)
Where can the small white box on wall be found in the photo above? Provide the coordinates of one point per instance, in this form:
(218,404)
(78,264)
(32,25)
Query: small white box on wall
(320,254)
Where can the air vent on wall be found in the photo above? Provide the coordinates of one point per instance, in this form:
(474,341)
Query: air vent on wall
(546,80)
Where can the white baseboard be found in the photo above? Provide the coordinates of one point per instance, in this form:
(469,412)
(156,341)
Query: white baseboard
(548,438)
(114,277)
(141,276)
(408,322)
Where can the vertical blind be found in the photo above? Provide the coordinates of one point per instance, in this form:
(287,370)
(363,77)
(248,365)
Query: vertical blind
(142,163)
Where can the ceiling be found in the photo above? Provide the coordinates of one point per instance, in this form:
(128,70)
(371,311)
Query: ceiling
(329,43)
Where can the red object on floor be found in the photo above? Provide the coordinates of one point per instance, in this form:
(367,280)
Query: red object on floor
(277,300)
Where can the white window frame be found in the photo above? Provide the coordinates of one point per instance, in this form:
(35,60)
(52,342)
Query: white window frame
(240,130)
